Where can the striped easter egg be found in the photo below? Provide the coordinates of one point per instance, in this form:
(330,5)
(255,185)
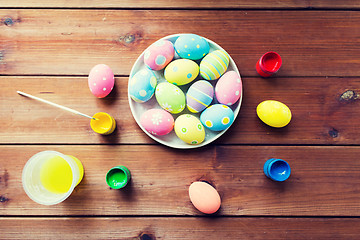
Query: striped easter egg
(199,96)
(214,65)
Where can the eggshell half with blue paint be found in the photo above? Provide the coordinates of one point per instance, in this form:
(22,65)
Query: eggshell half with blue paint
(199,96)
(181,71)
(159,54)
(142,85)
(204,197)
(228,89)
(191,46)
(217,117)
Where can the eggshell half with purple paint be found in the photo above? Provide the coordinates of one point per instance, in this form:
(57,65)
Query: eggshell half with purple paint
(228,89)
(159,54)
(204,197)
(157,121)
(199,96)
(101,80)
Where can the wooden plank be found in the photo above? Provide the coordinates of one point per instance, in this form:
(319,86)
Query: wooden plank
(323,111)
(70,42)
(158,4)
(180,228)
(324,181)
(235,4)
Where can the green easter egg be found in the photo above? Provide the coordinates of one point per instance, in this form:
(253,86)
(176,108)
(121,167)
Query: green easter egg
(170,97)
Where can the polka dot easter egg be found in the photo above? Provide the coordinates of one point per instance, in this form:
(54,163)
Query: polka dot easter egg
(191,46)
(170,97)
(214,65)
(199,96)
(159,54)
(142,85)
(228,89)
(181,71)
(157,121)
(217,117)
(189,129)
(101,80)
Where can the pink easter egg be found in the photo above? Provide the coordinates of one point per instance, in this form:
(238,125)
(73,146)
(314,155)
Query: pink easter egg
(159,54)
(157,121)
(228,89)
(101,80)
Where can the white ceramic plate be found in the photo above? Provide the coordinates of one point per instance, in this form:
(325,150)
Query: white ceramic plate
(171,140)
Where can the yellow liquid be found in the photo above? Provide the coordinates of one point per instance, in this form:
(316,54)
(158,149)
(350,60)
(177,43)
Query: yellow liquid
(56,175)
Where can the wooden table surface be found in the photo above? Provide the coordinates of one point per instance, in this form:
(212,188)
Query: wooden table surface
(47,49)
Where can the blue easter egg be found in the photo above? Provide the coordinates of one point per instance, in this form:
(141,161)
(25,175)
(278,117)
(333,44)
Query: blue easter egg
(191,46)
(142,85)
(217,117)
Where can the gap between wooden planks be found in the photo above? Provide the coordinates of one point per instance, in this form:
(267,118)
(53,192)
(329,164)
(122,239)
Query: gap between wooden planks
(324,181)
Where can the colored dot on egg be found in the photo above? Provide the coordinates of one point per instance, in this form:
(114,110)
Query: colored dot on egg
(189,75)
(104,89)
(186,46)
(104,78)
(160,60)
(183,130)
(225,120)
(238,80)
(175,68)
(237,93)
(208,123)
(189,54)
(198,46)
(193,39)
(203,54)
(142,93)
(144,72)
(153,81)
(224,106)
(194,142)
(199,126)
(94,83)
(147,54)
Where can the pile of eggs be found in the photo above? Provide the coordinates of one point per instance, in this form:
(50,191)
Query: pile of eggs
(198,89)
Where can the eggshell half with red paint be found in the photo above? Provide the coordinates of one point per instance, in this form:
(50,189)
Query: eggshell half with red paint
(204,197)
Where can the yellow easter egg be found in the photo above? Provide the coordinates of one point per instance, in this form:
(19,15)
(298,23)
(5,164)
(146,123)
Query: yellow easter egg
(189,129)
(274,113)
(181,71)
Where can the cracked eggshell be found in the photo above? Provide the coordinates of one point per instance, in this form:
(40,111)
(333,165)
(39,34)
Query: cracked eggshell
(101,80)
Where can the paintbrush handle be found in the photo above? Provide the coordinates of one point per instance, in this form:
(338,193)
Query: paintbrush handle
(54,104)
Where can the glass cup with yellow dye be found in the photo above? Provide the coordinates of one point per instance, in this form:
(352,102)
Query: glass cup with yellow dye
(49,177)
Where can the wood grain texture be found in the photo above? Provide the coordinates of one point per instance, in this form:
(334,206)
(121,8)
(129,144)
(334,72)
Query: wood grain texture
(180,228)
(323,109)
(71,42)
(325,181)
(238,4)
